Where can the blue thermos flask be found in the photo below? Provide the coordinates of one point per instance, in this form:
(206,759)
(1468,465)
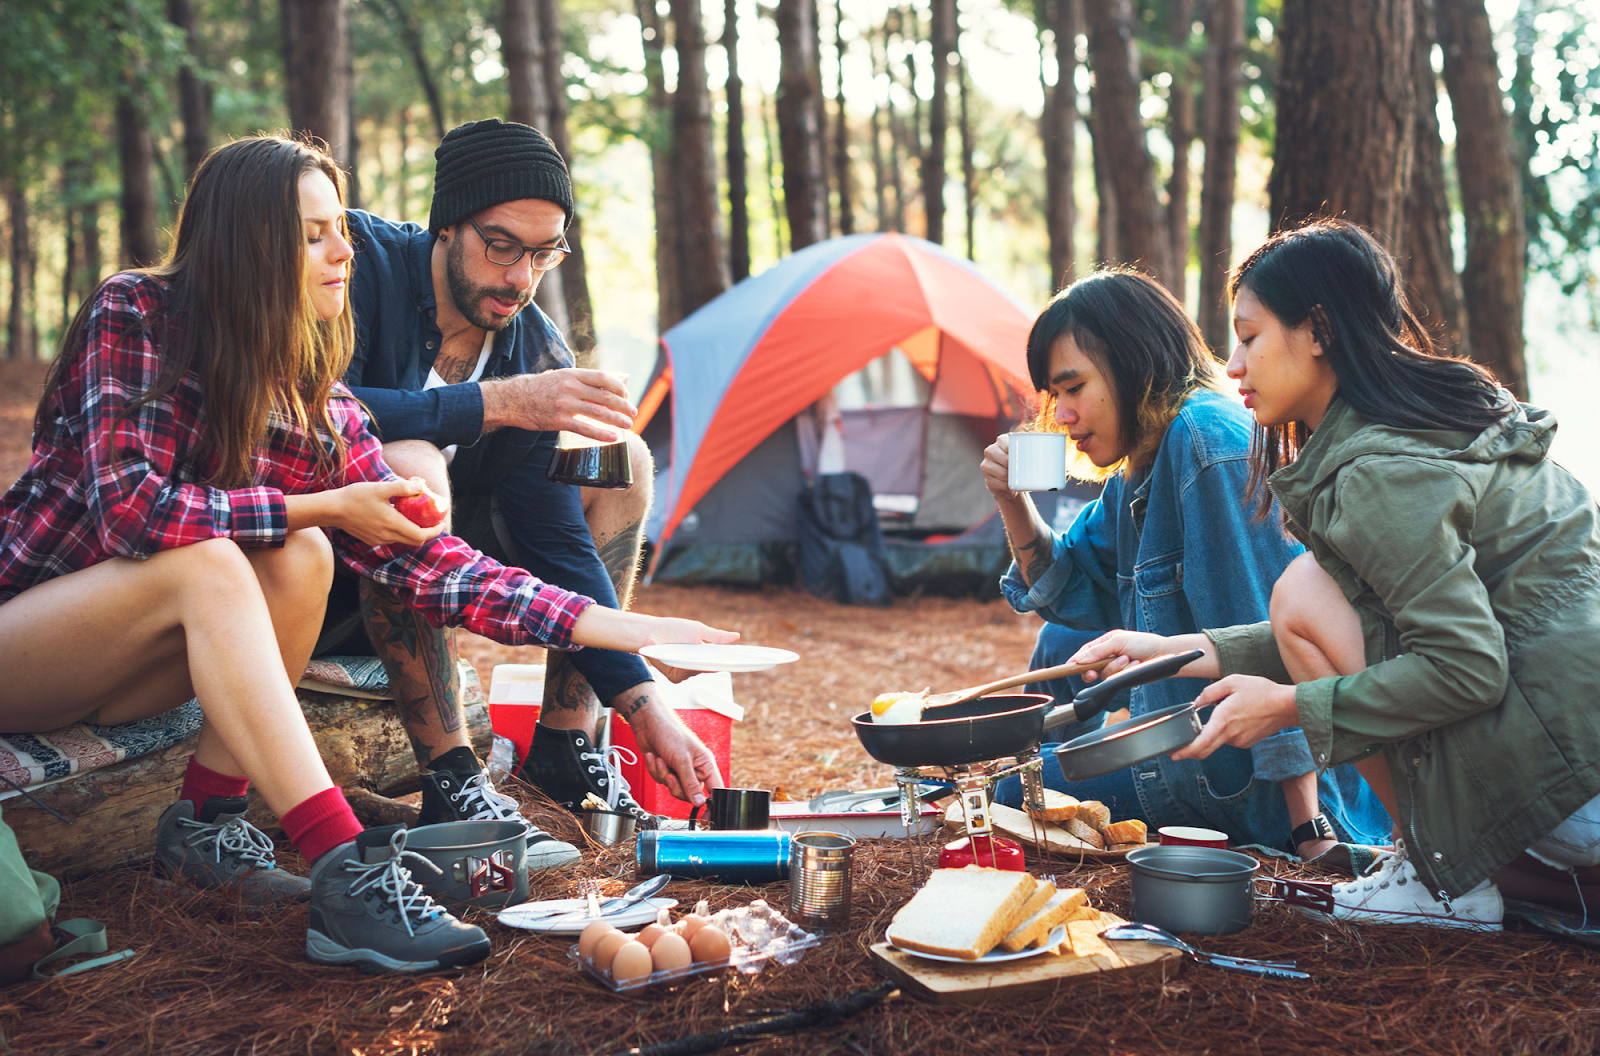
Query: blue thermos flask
(734,857)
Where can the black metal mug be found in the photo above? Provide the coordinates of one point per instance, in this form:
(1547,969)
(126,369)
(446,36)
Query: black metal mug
(735,808)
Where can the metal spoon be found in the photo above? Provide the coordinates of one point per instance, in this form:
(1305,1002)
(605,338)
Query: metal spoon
(631,897)
(1137,932)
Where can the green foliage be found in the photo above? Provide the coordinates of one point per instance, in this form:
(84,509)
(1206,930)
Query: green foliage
(1555,97)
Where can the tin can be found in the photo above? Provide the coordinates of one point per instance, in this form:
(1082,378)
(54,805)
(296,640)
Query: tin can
(735,857)
(819,880)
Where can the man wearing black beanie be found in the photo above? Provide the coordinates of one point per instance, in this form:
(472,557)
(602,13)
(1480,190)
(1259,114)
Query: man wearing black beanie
(468,383)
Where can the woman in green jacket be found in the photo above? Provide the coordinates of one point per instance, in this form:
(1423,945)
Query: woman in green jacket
(1443,631)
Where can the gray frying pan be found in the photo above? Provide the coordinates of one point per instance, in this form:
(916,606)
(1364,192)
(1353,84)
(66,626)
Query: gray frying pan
(1122,744)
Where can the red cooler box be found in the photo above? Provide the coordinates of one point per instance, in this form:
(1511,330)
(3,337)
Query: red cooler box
(705,703)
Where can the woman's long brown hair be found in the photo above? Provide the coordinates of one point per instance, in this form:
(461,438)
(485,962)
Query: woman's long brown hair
(238,313)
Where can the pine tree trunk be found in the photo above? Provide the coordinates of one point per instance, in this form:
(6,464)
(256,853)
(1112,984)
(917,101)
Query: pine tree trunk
(738,163)
(522,48)
(1491,193)
(1224,73)
(353,199)
(194,95)
(93,259)
(1180,129)
(841,134)
(411,37)
(1106,247)
(969,175)
(880,178)
(1141,229)
(1429,265)
(1058,128)
(940,35)
(574,270)
(770,151)
(911,33)
(897,130)
(316,35)
(21,331)
(141,245)
(805,188)
(704,269)
(658,131)
(1346,118)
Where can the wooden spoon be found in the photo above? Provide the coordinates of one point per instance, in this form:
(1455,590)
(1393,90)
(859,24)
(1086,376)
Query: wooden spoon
(1043,674)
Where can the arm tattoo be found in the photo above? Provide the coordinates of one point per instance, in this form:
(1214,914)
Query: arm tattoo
(620,555)
(630,705)
(1032,558)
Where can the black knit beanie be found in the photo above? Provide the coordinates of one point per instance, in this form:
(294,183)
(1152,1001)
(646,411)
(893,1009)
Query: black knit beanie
(484,163)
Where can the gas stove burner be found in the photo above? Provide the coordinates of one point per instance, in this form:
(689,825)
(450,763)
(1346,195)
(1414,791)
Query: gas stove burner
(972,782)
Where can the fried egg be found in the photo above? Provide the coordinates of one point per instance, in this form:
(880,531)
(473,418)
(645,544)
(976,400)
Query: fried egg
(893,709)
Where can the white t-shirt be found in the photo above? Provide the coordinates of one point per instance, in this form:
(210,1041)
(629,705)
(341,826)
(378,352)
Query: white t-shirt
(434,381)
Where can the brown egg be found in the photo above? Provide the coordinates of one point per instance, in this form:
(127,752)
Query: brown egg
(632,963)
(691,923)
(650,933)
(591,937)
(670,953)
(606,949)
(710,944)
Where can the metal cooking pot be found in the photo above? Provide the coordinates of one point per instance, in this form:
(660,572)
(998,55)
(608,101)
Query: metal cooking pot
(479,863)
(1208,890)
(976,731)
(1200,889)
(1122,744)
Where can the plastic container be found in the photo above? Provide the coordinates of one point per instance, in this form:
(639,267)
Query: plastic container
(705,704)
(994,852)
(516,692)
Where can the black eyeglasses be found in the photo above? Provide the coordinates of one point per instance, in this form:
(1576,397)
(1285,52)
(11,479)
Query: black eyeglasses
(504,252)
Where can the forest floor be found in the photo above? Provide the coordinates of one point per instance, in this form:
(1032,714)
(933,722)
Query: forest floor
(212,978)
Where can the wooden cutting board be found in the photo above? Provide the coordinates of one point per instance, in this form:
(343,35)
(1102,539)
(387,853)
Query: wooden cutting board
(1017,825)
(1035,977)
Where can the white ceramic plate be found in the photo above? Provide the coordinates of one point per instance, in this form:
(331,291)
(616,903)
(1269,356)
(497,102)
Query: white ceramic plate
(997,955)
(706,656)
(550,916)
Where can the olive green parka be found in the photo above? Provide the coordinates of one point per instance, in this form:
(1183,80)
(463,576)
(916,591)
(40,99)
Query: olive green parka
(1474,563)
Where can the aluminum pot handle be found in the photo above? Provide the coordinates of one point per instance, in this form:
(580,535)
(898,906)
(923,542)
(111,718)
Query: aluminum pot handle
(1308,894)
(1094,699)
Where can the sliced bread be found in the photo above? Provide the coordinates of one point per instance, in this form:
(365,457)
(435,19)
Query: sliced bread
(1036,927)
(1096,813)
(1130,831)
(1086,833)
(962,912)
(1058,806)
(1042,893)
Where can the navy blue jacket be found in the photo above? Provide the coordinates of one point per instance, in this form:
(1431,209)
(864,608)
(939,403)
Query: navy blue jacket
(397,340)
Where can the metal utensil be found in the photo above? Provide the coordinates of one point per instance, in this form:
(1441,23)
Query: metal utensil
(596,909)
(1137,932)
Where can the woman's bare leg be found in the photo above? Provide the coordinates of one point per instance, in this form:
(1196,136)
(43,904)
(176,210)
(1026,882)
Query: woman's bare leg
(127,639)
(1319,636)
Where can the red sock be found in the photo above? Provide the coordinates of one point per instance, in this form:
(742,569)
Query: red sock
(201,784)
(320,823)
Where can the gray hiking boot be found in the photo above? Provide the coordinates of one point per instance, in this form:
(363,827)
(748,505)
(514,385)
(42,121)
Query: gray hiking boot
(221,849)
(368,913)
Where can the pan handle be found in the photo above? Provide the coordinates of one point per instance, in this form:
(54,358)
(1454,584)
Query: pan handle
(1093,700)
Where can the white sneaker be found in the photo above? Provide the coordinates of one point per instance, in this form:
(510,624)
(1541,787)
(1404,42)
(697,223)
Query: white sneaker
(1391,892)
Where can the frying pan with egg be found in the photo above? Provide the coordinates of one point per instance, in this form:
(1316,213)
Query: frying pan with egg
(994,727)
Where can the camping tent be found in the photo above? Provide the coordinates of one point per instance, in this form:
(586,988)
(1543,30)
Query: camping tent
(730,411)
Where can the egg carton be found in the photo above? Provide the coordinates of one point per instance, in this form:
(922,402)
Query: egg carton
(744,958)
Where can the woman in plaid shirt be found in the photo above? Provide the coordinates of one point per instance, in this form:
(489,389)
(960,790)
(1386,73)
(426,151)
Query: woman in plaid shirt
(197,469)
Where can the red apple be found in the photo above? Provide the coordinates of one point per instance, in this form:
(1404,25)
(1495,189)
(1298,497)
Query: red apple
(425,509)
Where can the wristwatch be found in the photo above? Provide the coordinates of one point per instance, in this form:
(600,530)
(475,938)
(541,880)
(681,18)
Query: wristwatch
(1318,828)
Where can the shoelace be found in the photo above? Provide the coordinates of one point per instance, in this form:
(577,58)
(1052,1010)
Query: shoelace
(483,803)
(609,766)
(393,881)
(236,837)
(1381,873)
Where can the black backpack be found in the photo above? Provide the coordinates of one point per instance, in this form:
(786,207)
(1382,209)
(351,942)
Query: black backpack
(841,548)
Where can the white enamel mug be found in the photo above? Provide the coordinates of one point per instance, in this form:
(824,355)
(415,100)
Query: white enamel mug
(1038,461)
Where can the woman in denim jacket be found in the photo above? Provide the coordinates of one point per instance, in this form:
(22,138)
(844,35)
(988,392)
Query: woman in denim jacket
(1169,547)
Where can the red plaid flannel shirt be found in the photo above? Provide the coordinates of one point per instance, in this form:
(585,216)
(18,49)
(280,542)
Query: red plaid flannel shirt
(105,484)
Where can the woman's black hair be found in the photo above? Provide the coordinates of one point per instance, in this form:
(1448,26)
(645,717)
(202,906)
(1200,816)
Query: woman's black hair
(1142,342)
(1335,275)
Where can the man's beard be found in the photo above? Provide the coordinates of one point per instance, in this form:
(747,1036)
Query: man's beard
(469,298)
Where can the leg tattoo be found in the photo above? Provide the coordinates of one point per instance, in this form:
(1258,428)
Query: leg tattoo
(421,664)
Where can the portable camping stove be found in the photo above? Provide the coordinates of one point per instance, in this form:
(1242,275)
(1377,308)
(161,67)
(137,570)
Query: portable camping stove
(972,781)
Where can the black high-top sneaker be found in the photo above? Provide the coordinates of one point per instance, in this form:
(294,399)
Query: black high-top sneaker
(566,765)
(368,913)
(220,849)
(457,789)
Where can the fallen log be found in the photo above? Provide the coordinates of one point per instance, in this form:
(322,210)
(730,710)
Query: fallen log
(114,810)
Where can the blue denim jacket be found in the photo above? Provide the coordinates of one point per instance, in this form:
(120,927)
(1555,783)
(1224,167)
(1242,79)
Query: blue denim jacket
(1173,550)
(397,340)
